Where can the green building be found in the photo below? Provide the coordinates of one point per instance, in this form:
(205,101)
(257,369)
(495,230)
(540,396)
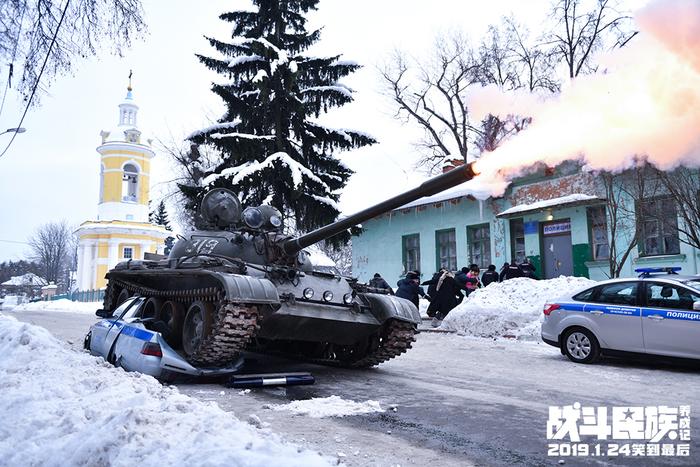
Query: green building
(555,217)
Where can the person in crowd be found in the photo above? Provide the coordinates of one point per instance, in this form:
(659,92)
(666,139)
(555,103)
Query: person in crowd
(410,289)
(513,271)
(490,275)
(466,281)
(473,282)
(445,296)
(502,274)
(378,282)
(528,269)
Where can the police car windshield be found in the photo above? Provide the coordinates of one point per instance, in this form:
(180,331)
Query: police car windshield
(694,284)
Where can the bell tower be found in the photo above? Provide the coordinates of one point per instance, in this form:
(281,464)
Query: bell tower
(122,231)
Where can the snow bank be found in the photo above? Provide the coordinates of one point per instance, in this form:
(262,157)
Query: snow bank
(62,305)
(510,309)
(332,406)
(60,407)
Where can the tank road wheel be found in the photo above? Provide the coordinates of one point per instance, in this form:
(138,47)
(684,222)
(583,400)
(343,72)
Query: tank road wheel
(197,327)
(121,298)
(172,314)
(152,307)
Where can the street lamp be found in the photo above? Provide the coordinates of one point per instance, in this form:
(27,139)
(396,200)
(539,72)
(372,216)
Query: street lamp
(14,130)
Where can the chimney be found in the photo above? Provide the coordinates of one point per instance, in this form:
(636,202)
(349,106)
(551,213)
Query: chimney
(450,164)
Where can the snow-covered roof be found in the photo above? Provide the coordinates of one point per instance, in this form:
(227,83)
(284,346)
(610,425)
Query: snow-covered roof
(576,198)
(25,280)
(118,134)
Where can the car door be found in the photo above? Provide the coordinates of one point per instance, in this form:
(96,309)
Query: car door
(616,314)
(670,325)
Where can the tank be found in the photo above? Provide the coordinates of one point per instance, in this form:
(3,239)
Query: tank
(238,283)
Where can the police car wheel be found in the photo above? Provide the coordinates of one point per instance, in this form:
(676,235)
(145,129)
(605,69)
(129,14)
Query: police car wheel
(581,346)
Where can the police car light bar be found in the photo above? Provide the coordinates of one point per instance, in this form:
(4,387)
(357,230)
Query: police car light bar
(644,272)
(275,379)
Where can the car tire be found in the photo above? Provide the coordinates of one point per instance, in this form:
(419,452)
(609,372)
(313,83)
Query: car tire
(197,326)
(172,313)
(580,345)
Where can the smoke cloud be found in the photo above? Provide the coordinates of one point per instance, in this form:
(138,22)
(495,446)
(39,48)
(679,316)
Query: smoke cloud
(645,104)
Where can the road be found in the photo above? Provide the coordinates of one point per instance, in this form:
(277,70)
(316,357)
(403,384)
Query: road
(458,400)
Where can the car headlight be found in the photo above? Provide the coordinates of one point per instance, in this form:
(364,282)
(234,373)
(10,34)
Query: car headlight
(308,293)
(347,298)
(253,218)
(327,296)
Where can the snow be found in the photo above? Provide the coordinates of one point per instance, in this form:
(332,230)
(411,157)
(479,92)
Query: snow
(293,67)
(480,189)
(512,308)
(326,200)
(63,407)
(212,128)
(346,91)
(332,406)
(61,305)
(562,200)
(244,59)
(259,76)
(246,170)
(318,257)
(25,280)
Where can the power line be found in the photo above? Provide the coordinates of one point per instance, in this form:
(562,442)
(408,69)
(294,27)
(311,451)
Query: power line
(38,78)
(14,55)
(13,241)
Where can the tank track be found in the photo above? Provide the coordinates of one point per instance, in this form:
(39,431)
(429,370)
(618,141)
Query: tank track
(397,338)
(234,325)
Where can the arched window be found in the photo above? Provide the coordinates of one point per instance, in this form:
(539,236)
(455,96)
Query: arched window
(130,183)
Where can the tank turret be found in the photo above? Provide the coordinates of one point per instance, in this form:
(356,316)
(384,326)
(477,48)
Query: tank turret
(239,283)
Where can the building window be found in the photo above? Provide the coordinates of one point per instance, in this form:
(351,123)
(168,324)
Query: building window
(659,227)
(130,183)
(597,221)
(410,247)
(479,238)
(128,252)
(517,240)
(446,249)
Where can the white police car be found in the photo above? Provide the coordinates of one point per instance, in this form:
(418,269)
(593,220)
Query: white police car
(657,313)
(136,341)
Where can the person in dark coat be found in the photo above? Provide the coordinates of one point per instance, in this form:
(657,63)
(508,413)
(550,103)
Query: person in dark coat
(410,289)
(465,281)
(513,271)
(378,282)
(489,276)
(445,297)
(502,274)
(528,269)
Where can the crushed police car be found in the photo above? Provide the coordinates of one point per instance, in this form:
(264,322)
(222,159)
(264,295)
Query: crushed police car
(132,339)
(657,313)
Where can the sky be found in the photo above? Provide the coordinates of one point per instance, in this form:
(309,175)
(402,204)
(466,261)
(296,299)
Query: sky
(51,172)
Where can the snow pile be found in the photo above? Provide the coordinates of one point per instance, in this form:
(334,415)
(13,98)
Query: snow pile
(332,406)
(62,305)
(510,309)
(60,407)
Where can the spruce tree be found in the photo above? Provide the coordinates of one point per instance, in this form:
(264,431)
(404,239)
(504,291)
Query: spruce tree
(273,150)
(160,217)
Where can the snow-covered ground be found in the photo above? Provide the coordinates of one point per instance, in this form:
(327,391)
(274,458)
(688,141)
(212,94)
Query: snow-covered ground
(62,407)
(332,406)
(512,308)
(62,305)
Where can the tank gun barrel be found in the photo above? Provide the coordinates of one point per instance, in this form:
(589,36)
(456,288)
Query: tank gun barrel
(428,188)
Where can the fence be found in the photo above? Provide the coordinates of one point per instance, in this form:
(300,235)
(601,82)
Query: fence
(82,296)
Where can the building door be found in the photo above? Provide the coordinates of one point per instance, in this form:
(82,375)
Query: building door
(557,257)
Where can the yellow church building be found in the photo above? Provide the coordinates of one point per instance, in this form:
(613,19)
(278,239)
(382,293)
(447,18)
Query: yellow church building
(121,231)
